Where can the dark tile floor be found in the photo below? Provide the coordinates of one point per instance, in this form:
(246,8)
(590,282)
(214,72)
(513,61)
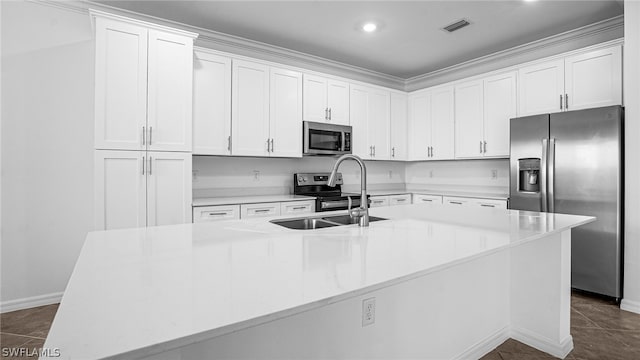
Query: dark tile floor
(599,328)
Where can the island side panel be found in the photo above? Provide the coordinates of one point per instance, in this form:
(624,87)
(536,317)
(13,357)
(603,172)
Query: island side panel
(458,312)
(541,294)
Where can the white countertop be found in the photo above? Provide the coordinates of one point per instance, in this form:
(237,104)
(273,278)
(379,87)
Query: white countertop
(248,199)
(472,194)
(146,290)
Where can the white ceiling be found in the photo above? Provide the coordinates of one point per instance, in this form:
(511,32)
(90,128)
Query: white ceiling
(410,41)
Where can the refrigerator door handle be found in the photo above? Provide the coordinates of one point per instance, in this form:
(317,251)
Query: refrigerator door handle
(551,174)
(543,175)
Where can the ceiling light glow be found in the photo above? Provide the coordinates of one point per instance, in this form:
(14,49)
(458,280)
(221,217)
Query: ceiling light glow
(369,27)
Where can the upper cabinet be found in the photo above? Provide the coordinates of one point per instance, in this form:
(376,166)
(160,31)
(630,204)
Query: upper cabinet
(431,124)
(285,120)
(211,104)
(585,80)
(398,124)
(325,100)
(143,87)
(483,109)
(369,113)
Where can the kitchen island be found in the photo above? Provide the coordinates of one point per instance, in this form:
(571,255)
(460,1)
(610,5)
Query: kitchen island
(447,283)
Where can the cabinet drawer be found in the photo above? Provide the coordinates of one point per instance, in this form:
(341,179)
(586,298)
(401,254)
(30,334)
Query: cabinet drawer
(249,211)
(377,201)
(297,207)
(400,199)
(427,199)
(215,213)
(491,203)
(457,201)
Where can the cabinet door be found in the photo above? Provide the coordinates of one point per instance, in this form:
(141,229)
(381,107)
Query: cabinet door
(211,104)
(594,79)
(540,88)
(168,188)
(458,201)
(419,135)
(250,108)
(427,199)
(297,207)
(170,92)
(121,85)
(490,203)
(248,211)
(404,199)
(378,123)
(398,126)
(314,101)
(120,189)
(338,102)
(499,107)
(215,213)
(378,201)
(442,124)
(359,108)
(469,113)
(285,123)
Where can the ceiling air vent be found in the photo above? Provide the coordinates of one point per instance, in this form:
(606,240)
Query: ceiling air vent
(456,25)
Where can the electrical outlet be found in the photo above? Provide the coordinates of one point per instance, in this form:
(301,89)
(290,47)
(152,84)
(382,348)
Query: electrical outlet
(494,174)
(430,173)
(390,174)
(368,311)
(256,175)
(195,175)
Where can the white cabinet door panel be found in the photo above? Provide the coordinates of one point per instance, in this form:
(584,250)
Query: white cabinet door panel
(468,120)
(168,188)
(285,127)
(359,108)
(419,136)
(540,88)
(120,188)
(250,108)
(427,199)
(442,124)
(490,203)
(215,213)
(457,201)
(499,107)
(170,92)
(314,98)
(404,199)
(378,127)
(398,126)
(338,102)
(378,201)
(121,85)
(297,207)
(594,79)
(248,211)
(211,104)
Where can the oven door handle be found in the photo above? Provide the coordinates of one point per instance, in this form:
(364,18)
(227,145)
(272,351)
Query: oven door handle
(338,204)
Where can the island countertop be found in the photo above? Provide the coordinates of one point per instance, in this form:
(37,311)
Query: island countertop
(137,292)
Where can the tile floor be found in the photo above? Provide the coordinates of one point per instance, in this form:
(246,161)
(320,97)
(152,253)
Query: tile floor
(600,331)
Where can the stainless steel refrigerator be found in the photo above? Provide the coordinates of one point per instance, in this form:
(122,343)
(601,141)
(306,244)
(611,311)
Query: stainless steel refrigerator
(571,163)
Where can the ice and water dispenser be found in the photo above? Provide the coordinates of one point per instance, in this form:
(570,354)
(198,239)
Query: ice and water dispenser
(529,175)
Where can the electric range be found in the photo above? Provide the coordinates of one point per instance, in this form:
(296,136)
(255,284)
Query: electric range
(327,198)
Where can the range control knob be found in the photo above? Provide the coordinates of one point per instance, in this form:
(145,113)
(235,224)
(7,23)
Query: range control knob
(304,179)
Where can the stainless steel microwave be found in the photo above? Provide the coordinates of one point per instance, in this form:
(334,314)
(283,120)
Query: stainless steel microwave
(325,139)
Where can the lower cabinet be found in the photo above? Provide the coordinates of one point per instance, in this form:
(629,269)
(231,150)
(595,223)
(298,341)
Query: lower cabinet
(297,207)
(427,199)
(476,202)
(141,188)
(377,201)
(216,213)
(249,211)
(390,200)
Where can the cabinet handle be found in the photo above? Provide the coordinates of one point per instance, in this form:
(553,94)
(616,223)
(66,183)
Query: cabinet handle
(261,210)
(432,151)
(150,134)
(487,205)
(326,113)
(329,113)
(229,143)
(485,147)
(393,152)
(217,213)
(560,101)
(481,147)
(143,164)
(429,200)
(150,165)
(144,135)
(455,202)
(370,150)
(299,208)
(271,144)
(374,151)
(566,102)
(268,146)
(399,200)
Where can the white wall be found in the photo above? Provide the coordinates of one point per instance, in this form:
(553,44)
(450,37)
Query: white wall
(631,291)
(461,175)
(47,149)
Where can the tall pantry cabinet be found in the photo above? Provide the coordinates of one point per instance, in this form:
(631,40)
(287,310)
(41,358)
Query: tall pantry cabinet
(143,117)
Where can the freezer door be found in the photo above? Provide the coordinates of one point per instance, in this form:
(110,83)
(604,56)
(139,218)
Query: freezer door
(588,181)
(527,135)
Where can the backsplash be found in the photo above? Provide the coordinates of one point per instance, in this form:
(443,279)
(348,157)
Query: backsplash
(487,175)
(233,176)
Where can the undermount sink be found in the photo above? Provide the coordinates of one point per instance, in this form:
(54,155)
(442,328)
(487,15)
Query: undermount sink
(319,222)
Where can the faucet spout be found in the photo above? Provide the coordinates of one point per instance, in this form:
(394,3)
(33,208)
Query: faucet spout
(363,211)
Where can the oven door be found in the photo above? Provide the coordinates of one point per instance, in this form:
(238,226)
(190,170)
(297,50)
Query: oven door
(337,204)
(326,139)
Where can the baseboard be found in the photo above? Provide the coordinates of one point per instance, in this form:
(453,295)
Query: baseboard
(485,346)
(542,343)
(25,303)
(630,305)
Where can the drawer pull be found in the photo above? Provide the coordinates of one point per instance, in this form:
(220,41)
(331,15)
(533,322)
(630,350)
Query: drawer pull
(217,213)
(429,200)
(401,200)
(487,205)
(455,202)
(262,210)
(299,208)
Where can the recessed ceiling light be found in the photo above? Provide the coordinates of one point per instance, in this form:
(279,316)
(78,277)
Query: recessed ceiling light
(369,27)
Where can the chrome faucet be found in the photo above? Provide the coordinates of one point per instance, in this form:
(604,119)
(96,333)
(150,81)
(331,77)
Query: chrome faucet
(361,213)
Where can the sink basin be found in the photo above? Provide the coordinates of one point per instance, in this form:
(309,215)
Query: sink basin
(347,220)
(304,223)
(319,223)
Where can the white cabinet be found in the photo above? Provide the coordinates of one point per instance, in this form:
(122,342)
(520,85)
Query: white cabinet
(457,201)
(266,111)
(249,211)
(325,100)
(369,110)
(378,201)
(585,80)
(431,124)
(215,213)
(491,203)
(474,202)
(297,207)
(143,90)
(135,188)
(211,104)
(483,109)
(398,125)
(403,199)
(427,199)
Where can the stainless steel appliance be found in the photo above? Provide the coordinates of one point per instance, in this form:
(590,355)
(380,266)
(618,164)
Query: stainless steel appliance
(327,198)
(325,139)
(571,163)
